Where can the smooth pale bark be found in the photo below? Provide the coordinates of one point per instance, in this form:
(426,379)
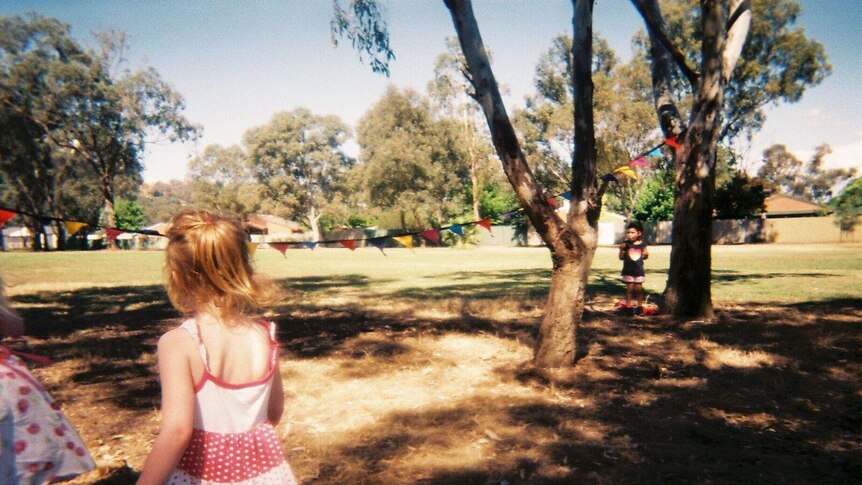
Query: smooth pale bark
(572,243)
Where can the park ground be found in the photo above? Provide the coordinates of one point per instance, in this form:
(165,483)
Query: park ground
(414,367)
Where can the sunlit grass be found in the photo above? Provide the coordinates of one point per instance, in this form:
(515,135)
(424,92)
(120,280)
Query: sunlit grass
(762,273)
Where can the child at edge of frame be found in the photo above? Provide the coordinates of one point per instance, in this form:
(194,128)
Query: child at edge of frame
(221,385)
(633,252)
(38,444)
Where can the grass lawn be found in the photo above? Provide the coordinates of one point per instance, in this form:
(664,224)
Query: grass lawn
(414,367)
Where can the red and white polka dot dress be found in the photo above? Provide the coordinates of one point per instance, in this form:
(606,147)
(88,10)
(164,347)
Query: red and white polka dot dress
(232,441)
(37,443)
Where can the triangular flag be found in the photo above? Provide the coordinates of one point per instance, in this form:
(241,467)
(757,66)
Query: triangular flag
(627,171)
(567,195)
(406,240)
(280,247)
(639,162)
(72,227)
(655,152)
(252,247)
(552,202)
(5,216)
(309,244)
(671,142)
(609,177)
(432,235)
(457,229)
(348,243)
(113,233)
(486,223)
(379,243)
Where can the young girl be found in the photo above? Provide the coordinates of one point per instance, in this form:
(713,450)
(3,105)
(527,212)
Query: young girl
(633,252)
(221,386)
(38,445)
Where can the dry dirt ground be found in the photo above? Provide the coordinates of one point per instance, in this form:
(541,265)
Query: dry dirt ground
(444,392)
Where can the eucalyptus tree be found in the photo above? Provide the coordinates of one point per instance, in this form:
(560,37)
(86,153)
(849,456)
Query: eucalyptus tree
(222,178)
(63,107)
(411,160)
(777,64)
(783,172)
(298,162)
(451,91)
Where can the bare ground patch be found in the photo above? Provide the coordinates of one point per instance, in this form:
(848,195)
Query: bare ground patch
(412,391)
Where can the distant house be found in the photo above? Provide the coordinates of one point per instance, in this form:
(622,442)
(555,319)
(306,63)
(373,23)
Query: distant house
(780,205)
(274,228)
(22,238)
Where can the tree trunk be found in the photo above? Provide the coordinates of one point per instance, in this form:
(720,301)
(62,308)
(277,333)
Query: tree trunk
(313,218)
(571,243)
(688,290)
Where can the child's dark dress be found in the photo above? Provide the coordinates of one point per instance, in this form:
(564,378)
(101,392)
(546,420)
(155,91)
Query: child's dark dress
(633,263)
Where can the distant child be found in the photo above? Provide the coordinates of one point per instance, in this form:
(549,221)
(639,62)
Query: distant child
(221,386)
(38,445)
(633,252)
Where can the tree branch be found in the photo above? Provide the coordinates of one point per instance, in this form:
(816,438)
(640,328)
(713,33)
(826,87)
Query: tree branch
(655,25)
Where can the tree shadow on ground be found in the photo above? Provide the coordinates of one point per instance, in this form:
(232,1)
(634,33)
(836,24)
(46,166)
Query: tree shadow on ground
(655,401)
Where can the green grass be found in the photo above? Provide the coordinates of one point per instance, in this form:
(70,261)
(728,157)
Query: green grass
(762,273)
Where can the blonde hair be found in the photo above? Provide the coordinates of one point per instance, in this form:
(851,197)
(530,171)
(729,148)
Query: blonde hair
(208,268)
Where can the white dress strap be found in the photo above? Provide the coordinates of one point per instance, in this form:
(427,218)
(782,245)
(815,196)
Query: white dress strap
(194,330)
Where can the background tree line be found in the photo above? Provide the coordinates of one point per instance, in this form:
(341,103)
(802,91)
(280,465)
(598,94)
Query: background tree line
(75,124)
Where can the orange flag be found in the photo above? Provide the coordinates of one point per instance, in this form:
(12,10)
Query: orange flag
(486,223)
(348,243)
(252,247)
(72,227)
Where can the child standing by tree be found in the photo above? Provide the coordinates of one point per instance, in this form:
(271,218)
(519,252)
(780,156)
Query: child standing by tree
(633,252)
(221,385)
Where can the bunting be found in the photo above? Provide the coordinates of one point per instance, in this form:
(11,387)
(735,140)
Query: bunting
(457,229)
(432,235)
(567,195)
(552,202)
(671,142)
(113,233)
(73,227)
(627,171)
(280,247)
(348,243)
(639,162)
(655,152)
(486,223)
(406,241)
(5,216)
(379,243)
(309,244)
(252,247)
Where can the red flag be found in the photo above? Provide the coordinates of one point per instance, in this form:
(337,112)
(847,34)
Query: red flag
(486,223)
(432,235)
(671,142)
(113,233)
(348,243)
(280,247)
(552,202)
(5,216)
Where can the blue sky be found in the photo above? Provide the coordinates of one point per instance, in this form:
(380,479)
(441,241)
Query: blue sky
(237,63)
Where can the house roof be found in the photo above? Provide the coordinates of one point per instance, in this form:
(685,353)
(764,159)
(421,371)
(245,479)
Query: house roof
(266,221)
(780,204)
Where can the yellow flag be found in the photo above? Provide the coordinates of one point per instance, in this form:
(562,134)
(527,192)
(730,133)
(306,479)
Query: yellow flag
(73,227)
(627,171)
(252,247)
(406,241)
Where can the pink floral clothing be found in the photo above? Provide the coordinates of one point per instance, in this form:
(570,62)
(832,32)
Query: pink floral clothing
(232,441)
(37,443)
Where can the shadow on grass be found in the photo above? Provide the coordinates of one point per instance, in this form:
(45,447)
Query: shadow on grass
(763,394)
(655,401)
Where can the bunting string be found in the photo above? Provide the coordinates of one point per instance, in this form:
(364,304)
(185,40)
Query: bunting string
(405,239)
